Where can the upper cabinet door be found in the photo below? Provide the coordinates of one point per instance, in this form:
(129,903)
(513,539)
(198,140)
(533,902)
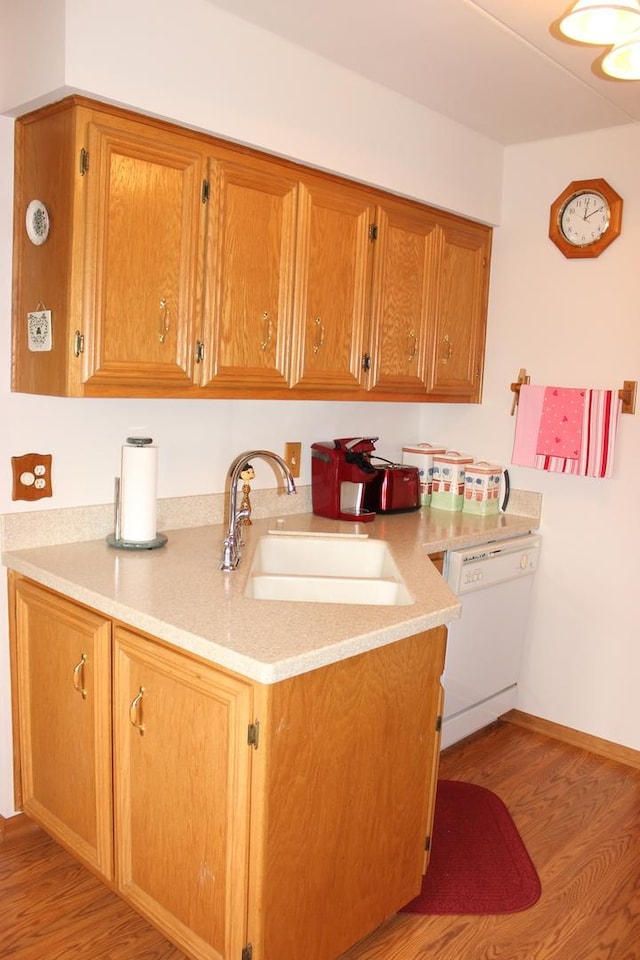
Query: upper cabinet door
(458,336)
(143,249)
(251,236)
(332,287)
(403,299)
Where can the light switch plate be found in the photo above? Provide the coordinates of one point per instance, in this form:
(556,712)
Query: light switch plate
(292,454)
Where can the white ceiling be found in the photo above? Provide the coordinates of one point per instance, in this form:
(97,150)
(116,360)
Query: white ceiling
(493,65)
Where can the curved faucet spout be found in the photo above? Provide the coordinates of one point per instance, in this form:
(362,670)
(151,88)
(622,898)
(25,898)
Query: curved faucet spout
(231,545)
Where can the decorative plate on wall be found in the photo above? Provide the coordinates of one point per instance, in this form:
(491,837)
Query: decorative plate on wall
(37,222)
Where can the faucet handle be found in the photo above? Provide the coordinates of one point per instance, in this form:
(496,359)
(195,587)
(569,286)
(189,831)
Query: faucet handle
(230,555)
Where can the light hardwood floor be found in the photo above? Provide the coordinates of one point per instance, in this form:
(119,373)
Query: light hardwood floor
(578,814)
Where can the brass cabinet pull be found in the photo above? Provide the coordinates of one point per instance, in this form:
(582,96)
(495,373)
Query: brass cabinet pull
(319,335)
(163,321)
(267,330)
(78,676)
(449,349)
(413,349)
(135,712)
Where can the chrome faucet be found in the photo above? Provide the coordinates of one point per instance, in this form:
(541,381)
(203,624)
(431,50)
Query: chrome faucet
(233,540)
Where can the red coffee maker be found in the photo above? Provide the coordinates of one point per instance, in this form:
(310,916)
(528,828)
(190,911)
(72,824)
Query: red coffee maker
(339,471)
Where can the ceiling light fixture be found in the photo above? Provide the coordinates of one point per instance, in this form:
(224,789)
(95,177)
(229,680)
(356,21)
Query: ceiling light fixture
(590,21)
(615,24)
(623,60)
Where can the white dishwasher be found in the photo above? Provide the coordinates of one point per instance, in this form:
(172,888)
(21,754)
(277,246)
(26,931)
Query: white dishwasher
(484,647)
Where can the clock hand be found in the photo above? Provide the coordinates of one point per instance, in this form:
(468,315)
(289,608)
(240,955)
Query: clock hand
(598,210)
(586,208)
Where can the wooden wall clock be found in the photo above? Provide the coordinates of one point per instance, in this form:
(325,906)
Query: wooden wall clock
(585,218)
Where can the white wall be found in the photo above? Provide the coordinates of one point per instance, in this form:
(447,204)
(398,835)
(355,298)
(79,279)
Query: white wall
(190,62)
(570,323)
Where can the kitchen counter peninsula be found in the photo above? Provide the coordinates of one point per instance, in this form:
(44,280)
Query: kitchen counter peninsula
(257,778)
(178,594)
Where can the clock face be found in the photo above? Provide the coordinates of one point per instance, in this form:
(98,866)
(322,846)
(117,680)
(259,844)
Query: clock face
(584,218)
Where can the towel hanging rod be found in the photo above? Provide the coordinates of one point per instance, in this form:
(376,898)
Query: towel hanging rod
(627,394)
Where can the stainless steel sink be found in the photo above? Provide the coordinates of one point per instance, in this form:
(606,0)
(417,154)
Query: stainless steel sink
(325,570)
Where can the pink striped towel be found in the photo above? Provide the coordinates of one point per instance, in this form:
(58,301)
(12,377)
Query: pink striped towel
(600,418)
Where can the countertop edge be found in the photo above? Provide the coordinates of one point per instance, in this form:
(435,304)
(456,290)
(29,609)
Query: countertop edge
(254,638)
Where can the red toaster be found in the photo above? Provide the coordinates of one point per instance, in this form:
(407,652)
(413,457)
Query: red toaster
(394,489)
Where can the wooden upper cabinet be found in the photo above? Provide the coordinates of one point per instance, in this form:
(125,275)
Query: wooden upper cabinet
(143,253)
(121,269)
(180,265)
(249,275)
(48,276)
(403,298)
(456,347)
(333,276)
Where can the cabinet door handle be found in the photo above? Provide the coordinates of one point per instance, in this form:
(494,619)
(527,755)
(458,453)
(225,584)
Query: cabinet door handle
(267,330)
(449,349)
(135,712)
(163,321)
(413,349)
(78,676)
(319,325)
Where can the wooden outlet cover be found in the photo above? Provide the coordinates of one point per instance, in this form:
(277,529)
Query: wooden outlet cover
(31,476)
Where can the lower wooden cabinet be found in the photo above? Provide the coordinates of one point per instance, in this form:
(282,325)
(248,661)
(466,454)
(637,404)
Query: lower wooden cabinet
(182,794)
(289,818)
(62,683)
(345,807)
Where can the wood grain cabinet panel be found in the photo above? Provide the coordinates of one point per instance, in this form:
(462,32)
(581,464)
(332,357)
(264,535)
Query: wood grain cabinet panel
(457,341)
(403,299)
(62,671)
(297,840)
(143,254)
(350,824)
(250,262)
(179,265)
(333,276)
(121,269)
(182,795)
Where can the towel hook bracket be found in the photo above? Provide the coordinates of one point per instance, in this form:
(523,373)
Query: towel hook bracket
(523,377)
(628,393)
(628,396)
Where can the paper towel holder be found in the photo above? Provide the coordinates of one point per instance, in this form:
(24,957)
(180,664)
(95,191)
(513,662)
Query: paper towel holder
(114,539)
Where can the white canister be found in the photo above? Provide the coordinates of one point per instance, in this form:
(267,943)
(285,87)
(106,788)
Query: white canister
(421,455)
(482,488)
(448,479)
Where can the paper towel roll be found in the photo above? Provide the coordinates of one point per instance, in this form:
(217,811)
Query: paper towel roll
(138,486)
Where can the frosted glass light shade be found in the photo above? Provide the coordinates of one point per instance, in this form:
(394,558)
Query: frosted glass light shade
(623,60)
(591,21)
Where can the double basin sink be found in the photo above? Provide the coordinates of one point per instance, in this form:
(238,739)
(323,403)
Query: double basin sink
(325,568)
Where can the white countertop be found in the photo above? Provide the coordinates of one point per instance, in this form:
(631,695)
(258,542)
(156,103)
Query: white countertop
(177,593)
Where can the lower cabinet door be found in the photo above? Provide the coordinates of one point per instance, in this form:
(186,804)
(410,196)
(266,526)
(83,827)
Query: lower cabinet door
(182,765)
(63,685)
